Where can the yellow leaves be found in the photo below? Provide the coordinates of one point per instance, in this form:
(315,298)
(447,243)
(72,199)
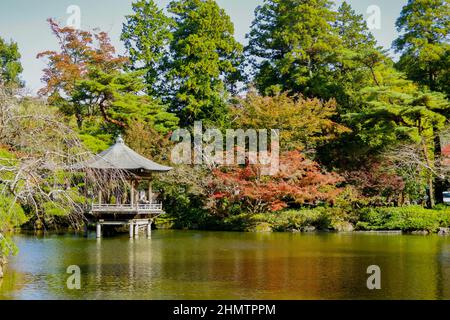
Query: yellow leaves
(303,122)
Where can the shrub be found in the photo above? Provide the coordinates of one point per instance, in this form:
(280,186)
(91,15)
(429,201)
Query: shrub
(412,218)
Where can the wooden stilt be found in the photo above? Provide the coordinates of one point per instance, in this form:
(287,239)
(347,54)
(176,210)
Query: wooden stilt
(131,230)
(149,229)
(136,230)
(150,192)
(99,230)
(132,193)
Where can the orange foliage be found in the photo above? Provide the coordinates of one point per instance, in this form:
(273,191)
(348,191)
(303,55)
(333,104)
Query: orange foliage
(80,50)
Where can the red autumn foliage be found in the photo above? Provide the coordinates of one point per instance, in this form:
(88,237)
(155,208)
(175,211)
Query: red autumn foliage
(376,179)
(299,181)
(446,154)
(79,51)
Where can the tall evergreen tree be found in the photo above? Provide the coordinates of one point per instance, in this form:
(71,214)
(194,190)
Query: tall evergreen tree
(394,112)
(352,28)
(424,43)
(292,44)
(10,66)
(205,61)
(356,61)
(146,35)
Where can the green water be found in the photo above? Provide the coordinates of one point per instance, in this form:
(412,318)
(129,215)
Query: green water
(208,265)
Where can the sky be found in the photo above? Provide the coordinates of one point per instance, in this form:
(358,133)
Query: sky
(24,21)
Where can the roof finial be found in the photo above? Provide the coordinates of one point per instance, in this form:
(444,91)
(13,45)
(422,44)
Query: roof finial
(119,139)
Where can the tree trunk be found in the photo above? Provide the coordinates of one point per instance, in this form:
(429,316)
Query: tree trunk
(430,180)
(1,266)
(431,202)
(439,184)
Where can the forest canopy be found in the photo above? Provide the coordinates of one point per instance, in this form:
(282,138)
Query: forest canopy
(357,128)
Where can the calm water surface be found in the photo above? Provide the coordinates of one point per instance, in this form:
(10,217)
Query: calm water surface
(209,265)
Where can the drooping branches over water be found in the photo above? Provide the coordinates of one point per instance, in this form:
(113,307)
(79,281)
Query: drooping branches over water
(38,179)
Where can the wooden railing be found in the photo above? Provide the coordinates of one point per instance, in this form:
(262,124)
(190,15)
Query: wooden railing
(128,208)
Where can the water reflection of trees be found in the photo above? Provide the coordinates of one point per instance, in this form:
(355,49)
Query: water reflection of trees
(185,265)
(318,267)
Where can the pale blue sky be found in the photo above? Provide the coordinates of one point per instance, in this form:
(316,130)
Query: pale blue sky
(25,22)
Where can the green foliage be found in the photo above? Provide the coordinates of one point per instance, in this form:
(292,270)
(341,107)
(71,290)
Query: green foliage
(292,45)
(424,43)
(11,216)
(356,61)
(10,66)
(165,221)
(96,143)
(205,61)
(320,218)
(146,35)
(394,114)
(183,196)
(117,97)
(352,29)
(11,213)
(294,219)
(413,218)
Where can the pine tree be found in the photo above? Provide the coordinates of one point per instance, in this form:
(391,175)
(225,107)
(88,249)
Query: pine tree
(146,35)
(10,66)
(357,59)
(352,29)
(205,61)
(292,45)
(424,43)
(395,111)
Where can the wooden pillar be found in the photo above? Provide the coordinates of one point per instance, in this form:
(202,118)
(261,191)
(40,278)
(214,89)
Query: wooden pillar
(99,230)
(100,197)
(132,193)
(131,230)
(150,192)
(136,230)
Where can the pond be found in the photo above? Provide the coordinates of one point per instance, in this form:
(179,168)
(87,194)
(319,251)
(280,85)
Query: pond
(221,265)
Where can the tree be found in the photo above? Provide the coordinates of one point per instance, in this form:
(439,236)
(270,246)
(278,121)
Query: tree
(80,52)
(304,123)
(396,111)
(10,66)
(379,182)
(357,59)
(115,96)
(292,45)
(299,182)
(40,180)
(205,61)
(424,43)
(146,35)
(34,148)
(87,80)
(352,28)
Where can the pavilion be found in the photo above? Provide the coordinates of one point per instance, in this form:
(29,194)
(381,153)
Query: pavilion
(132,205)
